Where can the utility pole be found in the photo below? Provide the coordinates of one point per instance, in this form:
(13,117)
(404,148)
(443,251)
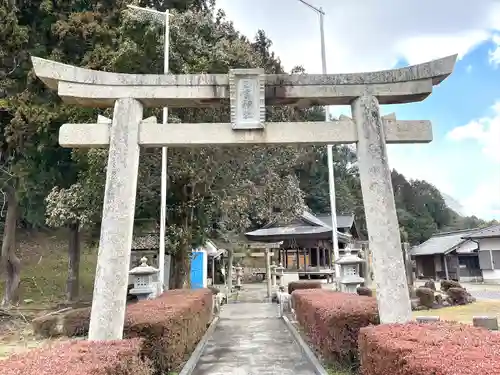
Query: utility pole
(153,15)
(331,173)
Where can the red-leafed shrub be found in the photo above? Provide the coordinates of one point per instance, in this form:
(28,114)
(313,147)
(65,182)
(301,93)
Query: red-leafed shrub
(81,358)
(171,325)
(303,284)
(332,321)
(441,348)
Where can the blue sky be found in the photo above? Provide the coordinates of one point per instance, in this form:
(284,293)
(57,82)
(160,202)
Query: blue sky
(463,161)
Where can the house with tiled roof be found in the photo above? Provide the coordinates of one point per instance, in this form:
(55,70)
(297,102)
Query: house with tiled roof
(487,241)
(448,256)
(465,255)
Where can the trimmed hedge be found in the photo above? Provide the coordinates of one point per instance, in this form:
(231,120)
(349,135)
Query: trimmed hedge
(442,348)
(332,321)
(303,284)
(76,322)
(80,358)
(171,325)
(69,323)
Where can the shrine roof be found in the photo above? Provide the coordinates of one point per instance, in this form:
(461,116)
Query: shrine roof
(305,226)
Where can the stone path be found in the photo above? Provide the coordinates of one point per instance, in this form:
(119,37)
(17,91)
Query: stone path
(251,339)
(485,294)
(256,292)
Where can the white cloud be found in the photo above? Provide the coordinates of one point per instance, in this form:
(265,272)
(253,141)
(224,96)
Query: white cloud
(366,34)
(414,161)
(485,131)
(484,202)
(494,54)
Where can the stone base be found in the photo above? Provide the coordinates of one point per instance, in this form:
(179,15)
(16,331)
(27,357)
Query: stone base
(143,293)
(427,319)
(490,323)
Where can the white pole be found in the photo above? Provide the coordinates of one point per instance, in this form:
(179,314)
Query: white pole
(331,174)
(323,48)
(163,200)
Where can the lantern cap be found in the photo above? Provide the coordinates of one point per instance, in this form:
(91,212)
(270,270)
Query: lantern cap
(349,258)
(144,269)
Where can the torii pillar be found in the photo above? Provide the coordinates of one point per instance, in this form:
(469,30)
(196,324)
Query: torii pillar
(249,91)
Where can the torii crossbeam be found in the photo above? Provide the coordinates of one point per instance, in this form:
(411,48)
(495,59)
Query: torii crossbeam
(248,92)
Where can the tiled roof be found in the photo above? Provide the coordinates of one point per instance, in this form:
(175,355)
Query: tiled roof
(490,232)
(441,243)
(310,226)
(343,221)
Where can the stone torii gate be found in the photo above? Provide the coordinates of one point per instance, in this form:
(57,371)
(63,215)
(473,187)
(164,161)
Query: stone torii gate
(249,91)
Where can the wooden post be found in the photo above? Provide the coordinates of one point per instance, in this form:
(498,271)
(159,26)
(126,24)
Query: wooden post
(317,259)
(367,266)
(408,266)
(446,273)
(213,271)
(268,273)
(230,271)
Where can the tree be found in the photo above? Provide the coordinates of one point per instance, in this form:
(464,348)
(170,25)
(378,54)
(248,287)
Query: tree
(30,115)
(12,38)
(212,191)
(313,174)
(416,222)
(74,209)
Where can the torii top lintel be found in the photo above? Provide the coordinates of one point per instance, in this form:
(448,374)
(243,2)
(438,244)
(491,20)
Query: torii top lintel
(91,88)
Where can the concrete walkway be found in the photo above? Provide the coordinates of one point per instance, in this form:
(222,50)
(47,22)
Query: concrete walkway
(249,339)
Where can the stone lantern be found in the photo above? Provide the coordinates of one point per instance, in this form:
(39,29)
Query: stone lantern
(349,272)
(239,276)
(280,272)
(273,274)
(144,284)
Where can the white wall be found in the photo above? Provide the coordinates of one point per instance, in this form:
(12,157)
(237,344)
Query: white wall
(491,276)
(205,269)
(467,246)
(492,246)
(489,244)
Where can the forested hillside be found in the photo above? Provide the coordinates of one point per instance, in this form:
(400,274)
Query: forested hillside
(421,208)
(213,192)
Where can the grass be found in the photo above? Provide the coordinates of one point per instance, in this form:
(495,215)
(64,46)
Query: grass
(465,313)
(23,342)
(338,370)
(44,269)
(44,265)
